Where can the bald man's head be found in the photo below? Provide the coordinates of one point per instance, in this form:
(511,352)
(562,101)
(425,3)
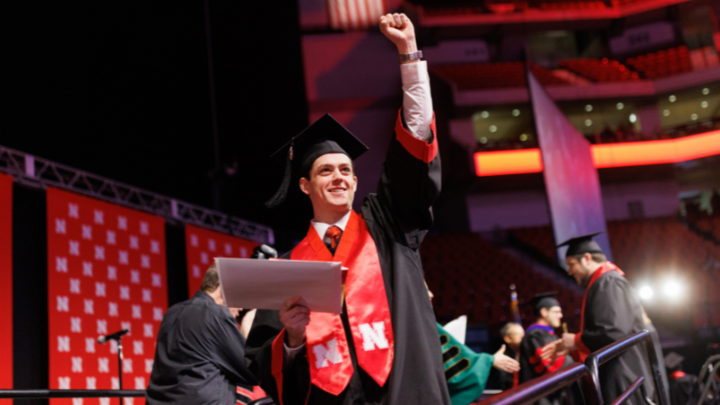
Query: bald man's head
(513,333)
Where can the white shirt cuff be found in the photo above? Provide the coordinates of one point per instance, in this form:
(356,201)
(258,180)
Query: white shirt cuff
(414,73)
(290,352)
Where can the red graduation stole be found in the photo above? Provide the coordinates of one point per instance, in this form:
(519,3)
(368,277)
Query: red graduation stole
(367,310)
(583,351)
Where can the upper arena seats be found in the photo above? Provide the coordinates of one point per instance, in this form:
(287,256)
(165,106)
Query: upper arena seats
(492,75)
(599,70)
(572,5)
(662,63)
(650,66)
(509,6)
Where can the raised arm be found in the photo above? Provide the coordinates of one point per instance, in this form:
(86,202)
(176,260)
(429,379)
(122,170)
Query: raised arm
(410,179)
(417,101)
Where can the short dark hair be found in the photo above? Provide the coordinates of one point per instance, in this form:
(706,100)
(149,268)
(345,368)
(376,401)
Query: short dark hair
(598,258)
(211,281)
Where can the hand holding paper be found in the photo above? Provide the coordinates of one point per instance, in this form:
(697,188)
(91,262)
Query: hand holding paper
(295,316)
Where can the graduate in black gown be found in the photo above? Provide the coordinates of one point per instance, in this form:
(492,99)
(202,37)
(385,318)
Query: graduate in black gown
(384,347)
(658,351)
(538,335)
(681,386)
(199,356)
(611,312)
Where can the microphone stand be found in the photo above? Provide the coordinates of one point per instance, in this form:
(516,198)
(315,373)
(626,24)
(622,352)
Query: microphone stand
(117,337)
(120,370)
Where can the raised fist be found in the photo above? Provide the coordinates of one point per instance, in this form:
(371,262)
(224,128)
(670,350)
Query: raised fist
(399,29)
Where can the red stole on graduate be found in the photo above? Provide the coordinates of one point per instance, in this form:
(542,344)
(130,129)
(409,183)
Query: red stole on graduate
(541,366)
(583,351)
(367,310)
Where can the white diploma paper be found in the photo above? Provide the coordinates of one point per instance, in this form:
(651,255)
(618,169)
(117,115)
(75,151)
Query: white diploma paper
(267,284)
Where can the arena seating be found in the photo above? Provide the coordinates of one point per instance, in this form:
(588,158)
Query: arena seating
(470,276)
(645,248)
(492,75)
(628,2)
(506,6)
(711,225)
(704,216)
(512,74)
(572,5)
(446,11)
(662,63)
(599,70)
(539,238)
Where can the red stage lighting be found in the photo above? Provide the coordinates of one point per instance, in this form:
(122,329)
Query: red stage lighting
(606,155)
(508,162)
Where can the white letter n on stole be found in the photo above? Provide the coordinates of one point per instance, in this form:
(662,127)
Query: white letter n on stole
(323,354)
(374,336)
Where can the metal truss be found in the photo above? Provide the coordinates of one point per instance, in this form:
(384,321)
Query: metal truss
(39,172)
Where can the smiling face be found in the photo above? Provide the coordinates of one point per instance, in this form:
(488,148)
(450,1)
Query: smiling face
(331,185)
(580,269)
(552,316)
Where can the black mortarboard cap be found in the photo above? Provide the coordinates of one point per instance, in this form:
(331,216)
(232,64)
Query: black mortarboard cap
(544,300)
(673,360)
(580,245)
(325,135)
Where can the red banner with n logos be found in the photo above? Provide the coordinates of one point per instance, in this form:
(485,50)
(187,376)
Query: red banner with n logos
(106,272)
(202,246)
(6,293)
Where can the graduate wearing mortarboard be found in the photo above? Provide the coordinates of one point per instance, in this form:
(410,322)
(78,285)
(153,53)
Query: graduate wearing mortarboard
(611,311)
(384,347)
(681,386)
(538,335)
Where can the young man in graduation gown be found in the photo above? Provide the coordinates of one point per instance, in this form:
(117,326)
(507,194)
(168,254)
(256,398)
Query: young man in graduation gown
(611,311)
(681,386)
(538,335)
(199,356)
(384,347)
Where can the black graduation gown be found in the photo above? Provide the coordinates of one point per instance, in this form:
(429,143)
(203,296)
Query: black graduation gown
(504,380)
(398,217)
(199,357)
(659,353)
(531,366)
(681,388)
(612,313)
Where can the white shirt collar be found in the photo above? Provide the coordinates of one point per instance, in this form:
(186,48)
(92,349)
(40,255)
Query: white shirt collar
(321,227)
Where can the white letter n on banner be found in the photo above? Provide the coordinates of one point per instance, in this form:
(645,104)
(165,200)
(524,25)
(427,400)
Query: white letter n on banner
(324,354)
(374,337)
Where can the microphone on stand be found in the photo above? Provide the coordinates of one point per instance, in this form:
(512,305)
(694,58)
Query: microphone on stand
(112,336)
(264,252)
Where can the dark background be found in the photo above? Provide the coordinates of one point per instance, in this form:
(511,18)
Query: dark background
(122,89)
